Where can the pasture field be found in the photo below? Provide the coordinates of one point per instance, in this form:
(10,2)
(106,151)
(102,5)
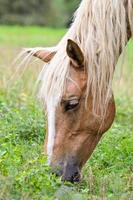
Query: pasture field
(24,174)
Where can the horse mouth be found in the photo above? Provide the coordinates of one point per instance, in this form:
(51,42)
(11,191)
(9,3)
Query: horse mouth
(69,172)
(75,178)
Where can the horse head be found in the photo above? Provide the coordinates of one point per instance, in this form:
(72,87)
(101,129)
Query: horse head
(73,128)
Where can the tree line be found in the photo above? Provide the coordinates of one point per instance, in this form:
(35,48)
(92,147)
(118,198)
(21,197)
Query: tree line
(54,13)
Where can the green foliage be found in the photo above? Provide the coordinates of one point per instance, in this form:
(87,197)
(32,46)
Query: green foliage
(24,173)
(42,12)
(71,7)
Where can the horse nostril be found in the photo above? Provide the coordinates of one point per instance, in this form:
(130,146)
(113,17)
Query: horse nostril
(76,177)
(71,174)
(69,171)
(71,178)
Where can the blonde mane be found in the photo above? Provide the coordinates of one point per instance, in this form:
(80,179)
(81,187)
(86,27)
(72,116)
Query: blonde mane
(100,29)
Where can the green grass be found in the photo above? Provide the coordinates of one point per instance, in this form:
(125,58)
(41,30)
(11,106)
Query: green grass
(29,36)
(24,173)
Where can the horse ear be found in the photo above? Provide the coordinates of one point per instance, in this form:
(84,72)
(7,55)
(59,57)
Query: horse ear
(75,53)
(45,54)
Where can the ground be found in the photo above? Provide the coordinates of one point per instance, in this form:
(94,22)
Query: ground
(24,173)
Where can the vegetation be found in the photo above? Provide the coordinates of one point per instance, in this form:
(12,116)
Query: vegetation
(24,173)
(42,12)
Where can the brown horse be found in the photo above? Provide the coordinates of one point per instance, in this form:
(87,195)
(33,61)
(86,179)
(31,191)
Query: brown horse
(76,82)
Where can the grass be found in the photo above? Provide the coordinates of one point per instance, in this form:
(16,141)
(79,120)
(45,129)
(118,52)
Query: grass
(24,173)
(29,36)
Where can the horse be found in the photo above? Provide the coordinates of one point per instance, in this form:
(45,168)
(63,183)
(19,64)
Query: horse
(76,82)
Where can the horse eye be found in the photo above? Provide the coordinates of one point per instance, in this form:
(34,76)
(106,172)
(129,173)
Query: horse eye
(71,104)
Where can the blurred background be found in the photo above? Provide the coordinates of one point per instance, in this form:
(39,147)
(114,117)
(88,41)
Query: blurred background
(56,13)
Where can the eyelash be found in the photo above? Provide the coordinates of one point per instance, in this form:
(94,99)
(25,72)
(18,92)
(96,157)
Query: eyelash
(69,106)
